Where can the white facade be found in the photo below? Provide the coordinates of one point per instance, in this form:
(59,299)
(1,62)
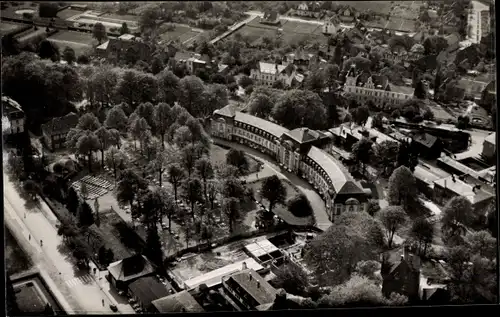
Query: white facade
(478,21)
(267,74)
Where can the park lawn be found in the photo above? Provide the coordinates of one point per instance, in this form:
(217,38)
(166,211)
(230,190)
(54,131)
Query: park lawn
(218,156)
(6,27)
(76,37)
(123,17)
(300,27)
(68,13)
(176,33)
(117,236)
(16,260)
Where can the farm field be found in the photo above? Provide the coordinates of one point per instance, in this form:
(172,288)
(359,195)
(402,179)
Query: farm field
(8,27)
(125,17)
(80,42)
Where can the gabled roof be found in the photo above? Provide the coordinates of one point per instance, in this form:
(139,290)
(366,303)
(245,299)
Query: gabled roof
(425,139)
(177,303)
(303,135)
(60,125)
(491,138)
(148,289)
(270,68)
(130,268)
(350,188)
(270,16)
(257,287)
(228,111)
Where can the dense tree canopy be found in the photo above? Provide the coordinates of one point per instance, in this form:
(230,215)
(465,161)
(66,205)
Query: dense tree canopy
(307,107)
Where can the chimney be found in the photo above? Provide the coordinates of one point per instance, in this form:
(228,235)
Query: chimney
(244,266)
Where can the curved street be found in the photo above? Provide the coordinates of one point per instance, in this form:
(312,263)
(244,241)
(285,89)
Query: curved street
(317,203)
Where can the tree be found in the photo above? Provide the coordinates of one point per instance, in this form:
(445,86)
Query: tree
(105,256)
(191,89)
(369,269)
(183,137)
(140,131)
(116,119)
(354,237)
(424,17)
(299,206)
(386,153)
(402,188)
(316,81)
(422,231)
(245,81)
(205,171)
(407,155)
(168,86)
(163,120)
(233,187)
(128,187)
(116,160)
(87,144)
(147,20)
(392,217)
(72,200)
(428,115)
(260,105)
(482,243)
(69,55)
(373,207)
(359,291)
(31,188)
(83,60)
(105,141)
(160,163)
(126,89)
(456,214)
(231,209)
(274,191)
(193,192)
(48,10)
(362,152)
(153,246)
(88,122)
(48,50)
(85,215)
(124,29)
(420,91)
(292,278)
(433,45)
(238,159)
(157,65)
(213,189)
(331,73)
(307,107)
(378,121)
(175,177)
(214,97)
(99,32)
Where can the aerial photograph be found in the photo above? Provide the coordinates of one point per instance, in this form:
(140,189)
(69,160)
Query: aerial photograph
(231,156)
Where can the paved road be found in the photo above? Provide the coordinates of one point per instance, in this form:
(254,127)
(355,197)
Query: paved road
(294,19)
(233,28)
(314,198)
(80,289)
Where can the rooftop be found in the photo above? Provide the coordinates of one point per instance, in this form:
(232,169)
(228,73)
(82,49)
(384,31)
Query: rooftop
(491,138)
(262,124)
(255,286)
(425,139)
(337,176)
(148,289)
(178,302)
(215,277)
(130,268)
(461,188)
(126,37)
(303,135)
(270,68)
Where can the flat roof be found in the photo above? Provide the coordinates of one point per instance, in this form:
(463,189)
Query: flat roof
(260,248)
(215,277)
(461,188)
(176,302)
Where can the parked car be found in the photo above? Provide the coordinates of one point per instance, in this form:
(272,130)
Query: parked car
(113,308)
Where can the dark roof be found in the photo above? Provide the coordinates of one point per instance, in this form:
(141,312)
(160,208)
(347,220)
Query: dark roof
(425,139)
(255,286)
(60,125)
(148,289)
(270,16)
(131,268)
(303,135)
(178,302)
(350,188)
(11,108)
(227,111)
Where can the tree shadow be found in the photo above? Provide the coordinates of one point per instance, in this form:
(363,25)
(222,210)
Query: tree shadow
(122,300)
(128,236)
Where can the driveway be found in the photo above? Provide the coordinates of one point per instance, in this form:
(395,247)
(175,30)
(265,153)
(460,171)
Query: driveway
(314,198)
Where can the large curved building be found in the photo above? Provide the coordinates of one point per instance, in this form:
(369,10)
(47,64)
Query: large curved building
(299,151)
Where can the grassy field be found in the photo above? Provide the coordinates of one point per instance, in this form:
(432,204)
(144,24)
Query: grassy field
(184,34)
(80,42)
(8,27)
(125,17)
(68,13)
(16,260)
(218,156)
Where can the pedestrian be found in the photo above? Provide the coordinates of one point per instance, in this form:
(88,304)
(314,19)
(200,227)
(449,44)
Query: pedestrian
(29,237)
(24,215)
(95,270)
(41,243)
(103,302)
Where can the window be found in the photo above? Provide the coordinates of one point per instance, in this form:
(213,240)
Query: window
(338,209)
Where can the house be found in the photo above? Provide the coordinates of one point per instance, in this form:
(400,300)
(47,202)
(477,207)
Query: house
(270,17)
(452,186)
(302,59)
(54,132)
(192,61)
(428,146)
(248,289)
(489,147)
(182,302)
(347,15)
(269,73)
(364,87)
(473,89)
(124,272)
(126,46)
(12,111)
(401,275)
(145,290)
(310,9)
(489,95)
(453,42)
(331,25)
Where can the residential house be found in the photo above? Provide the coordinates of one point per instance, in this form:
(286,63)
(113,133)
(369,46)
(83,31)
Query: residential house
(489,95)
(347,16)
(193,61)
(364,87)
(489,147)
(452,186)
(15,116)
(331,25)
(428,146)
(145,290)
(248,289)
(126,46)
(472,89)
(270,17)
(295,151)
(310,9)
(54,132)
(479,20)
(303,59)
(182,302)
(268,73)
(401,276)
(124,272)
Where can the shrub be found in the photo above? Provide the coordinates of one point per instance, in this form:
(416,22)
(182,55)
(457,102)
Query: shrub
(299,206)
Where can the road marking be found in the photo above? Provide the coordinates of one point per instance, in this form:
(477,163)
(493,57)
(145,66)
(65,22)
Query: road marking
(85,279)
